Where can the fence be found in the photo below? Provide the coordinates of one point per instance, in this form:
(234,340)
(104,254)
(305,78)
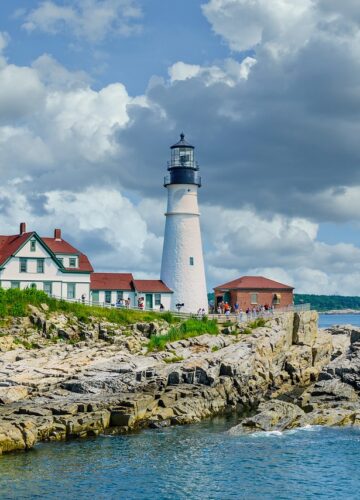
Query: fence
(242,317)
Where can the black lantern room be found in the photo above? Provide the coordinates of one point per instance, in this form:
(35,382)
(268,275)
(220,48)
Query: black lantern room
(182,167)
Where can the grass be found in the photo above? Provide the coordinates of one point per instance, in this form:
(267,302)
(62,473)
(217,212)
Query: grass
(174,359)
(14,303)
(257,323)
(189,328)
(215,348)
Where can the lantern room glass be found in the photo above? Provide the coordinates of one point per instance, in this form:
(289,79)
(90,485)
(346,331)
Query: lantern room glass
(182,157)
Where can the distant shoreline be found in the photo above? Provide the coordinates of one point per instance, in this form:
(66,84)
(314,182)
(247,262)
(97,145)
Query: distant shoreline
(341,311)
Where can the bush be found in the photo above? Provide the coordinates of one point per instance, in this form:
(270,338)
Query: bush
(189,328)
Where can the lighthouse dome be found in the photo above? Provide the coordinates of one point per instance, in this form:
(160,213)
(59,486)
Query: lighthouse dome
(182,143)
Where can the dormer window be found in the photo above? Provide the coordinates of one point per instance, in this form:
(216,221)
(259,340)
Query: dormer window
(72,262)
(32,246)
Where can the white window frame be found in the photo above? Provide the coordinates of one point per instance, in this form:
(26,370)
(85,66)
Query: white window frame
(23,260)
(157,299)
(68,294)
(38,261)
(252,300)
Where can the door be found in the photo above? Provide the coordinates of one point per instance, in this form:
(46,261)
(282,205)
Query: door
(149,301)
(95,296)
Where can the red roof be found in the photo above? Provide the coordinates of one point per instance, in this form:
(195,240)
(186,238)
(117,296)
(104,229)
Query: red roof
(9,245)
(254,282)
(156,286)
(111,281)
(63,247)
(60,246)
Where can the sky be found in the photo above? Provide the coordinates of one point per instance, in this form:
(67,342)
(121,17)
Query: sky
(93,93)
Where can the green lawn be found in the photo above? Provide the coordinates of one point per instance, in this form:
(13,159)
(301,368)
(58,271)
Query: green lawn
(14,302)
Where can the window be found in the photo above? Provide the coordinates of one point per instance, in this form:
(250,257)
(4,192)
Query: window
(23,265)
(32,246)
(107,296)
(15,284)
(254,298)
(191,261)
(276,298)
(71,291)
(40,265)
(72,262)
(119,295)
(48,287)
(157,299)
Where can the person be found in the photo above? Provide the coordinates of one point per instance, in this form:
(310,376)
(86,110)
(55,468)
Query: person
(236,307)
(83,297)
(162,307)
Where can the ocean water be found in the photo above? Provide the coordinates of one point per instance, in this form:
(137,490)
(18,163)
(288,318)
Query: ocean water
(326,320)
(191,462)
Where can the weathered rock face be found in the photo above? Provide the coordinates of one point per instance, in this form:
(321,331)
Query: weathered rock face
(272,416)
(333,399)
(108,382)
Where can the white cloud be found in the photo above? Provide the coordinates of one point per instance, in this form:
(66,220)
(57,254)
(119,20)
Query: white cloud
(245,24)
(230,74)
(89,19)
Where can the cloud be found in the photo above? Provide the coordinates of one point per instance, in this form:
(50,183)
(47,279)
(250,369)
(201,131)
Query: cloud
(276,134)
(99,221)
(93,20)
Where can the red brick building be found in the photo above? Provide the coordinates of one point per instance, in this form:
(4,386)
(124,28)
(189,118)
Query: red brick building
(253,291)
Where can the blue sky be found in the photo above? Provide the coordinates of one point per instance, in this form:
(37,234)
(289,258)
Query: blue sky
(93,92)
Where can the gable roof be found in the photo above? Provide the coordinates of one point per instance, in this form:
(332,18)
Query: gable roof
(254,283)
(156,286)
(63,247)
(9,245)
(111,281)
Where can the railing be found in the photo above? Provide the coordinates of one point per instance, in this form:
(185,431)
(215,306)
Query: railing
(242,317)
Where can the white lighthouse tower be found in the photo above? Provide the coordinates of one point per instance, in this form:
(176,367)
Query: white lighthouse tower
(182,267)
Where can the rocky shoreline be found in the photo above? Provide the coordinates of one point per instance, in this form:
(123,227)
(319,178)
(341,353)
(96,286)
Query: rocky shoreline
(73,379)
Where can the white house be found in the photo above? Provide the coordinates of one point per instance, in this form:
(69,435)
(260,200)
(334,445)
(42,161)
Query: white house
(113,288)
(154,293)
(56,267)
(50,264)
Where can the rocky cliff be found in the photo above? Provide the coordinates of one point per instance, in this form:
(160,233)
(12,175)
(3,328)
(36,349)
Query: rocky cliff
(332,400)
(71,379)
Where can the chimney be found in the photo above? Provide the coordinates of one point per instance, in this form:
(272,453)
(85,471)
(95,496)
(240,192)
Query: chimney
(57,234)
(22,228)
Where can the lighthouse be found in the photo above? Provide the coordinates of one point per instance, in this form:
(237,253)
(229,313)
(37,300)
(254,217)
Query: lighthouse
(182,266)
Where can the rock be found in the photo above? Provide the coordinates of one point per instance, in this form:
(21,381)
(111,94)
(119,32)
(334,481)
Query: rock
(326,392)
(12,394)
(305,328)
(272,416)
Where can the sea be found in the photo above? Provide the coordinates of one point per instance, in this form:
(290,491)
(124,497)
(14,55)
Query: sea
(201,461)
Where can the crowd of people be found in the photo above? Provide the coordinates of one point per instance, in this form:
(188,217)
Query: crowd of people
(259,311)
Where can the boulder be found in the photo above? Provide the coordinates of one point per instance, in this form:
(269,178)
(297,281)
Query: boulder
(272,415)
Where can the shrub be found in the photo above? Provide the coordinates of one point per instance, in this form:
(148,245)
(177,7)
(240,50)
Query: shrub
(189,328)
